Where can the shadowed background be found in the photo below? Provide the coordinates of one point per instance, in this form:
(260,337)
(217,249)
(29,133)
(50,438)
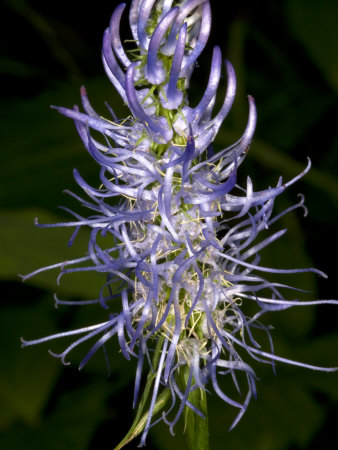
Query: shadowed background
(285,55)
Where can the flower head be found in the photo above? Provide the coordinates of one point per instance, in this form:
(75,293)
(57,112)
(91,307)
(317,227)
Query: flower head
(184,236)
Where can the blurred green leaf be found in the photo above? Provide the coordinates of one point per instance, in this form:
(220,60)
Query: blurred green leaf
(292,99)
(16,68)
(291,112)
(48,34)
(69,426)
(314,23)
(322,351)
(283,415)
(28,376)
(37,162)
(162,439)
(25,248)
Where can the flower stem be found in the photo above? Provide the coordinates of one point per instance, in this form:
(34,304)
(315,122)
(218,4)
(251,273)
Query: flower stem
(196,427)
(138,427)
(140,420)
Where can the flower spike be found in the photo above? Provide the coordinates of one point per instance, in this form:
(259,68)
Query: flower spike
(174,235)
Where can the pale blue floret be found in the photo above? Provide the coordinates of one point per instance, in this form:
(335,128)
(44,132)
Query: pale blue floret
(185,237)
(173,97)
(154,70)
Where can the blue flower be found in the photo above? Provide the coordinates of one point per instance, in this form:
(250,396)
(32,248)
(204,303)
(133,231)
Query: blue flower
(185,237)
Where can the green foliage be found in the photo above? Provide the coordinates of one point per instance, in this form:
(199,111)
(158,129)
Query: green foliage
(314,23)
(196,428)
(26,378)
(26,248)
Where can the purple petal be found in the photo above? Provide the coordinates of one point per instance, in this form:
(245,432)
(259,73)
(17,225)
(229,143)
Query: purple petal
(143,16)
(154,70)
(110,59)
(133,17)
(114,28)
(210,92)
(185,10)
(201,41)
(160,129)
(173,95)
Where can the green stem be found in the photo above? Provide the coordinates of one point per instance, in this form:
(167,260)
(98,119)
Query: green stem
(139,427)
(196,427)
(140,420)
(150,378)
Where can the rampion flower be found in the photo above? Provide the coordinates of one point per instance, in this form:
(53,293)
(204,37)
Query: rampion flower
(185,238)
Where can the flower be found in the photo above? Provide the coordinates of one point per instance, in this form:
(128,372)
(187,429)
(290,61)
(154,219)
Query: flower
(184,236)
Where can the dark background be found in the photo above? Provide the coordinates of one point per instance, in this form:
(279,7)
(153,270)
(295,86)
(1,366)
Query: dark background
(285,55)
